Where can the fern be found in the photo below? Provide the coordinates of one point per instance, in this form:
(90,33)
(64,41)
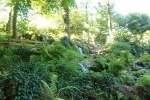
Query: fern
(46,91)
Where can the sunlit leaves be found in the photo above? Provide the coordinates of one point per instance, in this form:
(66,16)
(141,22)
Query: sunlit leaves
(138,23)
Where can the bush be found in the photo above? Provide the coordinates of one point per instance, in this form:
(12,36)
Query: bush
(88,86)
(126,78)
(23,83)
(52,52)
(114,63)
(138,43)
(118,57)
(64,68)
(22,52)
(143,87)
(144,59)
(20,84)
(115,66)
(7,58)
(100,64)
(65,42)
(118,47)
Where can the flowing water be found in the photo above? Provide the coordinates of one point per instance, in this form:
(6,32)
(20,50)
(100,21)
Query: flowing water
(79,49)
(83,67)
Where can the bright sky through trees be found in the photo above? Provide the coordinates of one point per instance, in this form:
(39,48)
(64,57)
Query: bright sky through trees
(127,6)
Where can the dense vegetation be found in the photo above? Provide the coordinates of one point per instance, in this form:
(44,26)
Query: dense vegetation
(117,61)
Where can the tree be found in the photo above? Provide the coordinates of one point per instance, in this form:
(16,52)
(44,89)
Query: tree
(66,4)
(104,20)
(77,21)
(54,5)
(109,17)
(20,7)
(8,25)
(138,23)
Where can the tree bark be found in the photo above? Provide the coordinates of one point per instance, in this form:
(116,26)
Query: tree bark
(88,34)
(14,22)
(109,21)
(67,22)
(8,25)
(109,18)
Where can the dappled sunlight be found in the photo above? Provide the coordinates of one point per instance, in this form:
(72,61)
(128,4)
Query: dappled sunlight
(42,22)
(146,38)
(46,54)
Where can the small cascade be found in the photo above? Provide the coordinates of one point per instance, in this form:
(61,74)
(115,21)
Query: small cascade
(83,67)
(139,66)
(79,49)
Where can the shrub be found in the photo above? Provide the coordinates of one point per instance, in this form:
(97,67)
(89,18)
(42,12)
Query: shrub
(100,64)
(123,36)
(118,57)
(88,86)
(126,78)
(7,58)
(144,59)
(117,47)
(52,52)
(65,42)
(23,52)
(115,66)
(140,72)
(22,83)
(64,68)
(143,87)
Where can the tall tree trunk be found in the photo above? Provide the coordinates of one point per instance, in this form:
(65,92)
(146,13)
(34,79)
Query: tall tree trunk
(67,22)
(87,18)
(109,21)
(8,25)
(14,22)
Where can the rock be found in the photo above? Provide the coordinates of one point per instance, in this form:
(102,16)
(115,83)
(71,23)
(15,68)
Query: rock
(89,62)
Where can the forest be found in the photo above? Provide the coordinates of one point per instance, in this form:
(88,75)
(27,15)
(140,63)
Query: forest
(64,50)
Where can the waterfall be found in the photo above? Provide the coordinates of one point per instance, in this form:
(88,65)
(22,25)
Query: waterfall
(79,49)
(83,67)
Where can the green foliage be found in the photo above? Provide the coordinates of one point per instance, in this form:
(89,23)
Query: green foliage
(53,51)
(23,52)
(67,3)
(77,21)
(3,36)
(58,59)
(144,81)
(138,43)
(116,66)
(143,88)
(7,58)
(23,6)
(118,47)
(101,64)
(117,58)
(65,42)
(87,86)
(58,51)
(64,68)
(138,23)
(120,20)
(69,91)
(141,72)
(46,91)
(126,78)
(123,35)
(23,83)
(144,59)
